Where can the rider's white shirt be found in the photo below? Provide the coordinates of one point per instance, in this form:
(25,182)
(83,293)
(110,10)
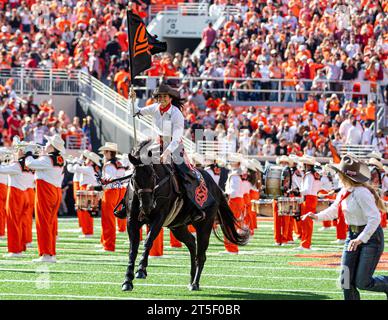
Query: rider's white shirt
(170,124)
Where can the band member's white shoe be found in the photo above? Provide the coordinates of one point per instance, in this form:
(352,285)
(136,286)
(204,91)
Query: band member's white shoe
(339,241)
(46,258)
(324,229)
(13,255)
(277,244)
(85,236)
(302,248)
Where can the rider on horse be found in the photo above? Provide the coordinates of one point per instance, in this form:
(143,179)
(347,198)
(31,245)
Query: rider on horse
(168,122)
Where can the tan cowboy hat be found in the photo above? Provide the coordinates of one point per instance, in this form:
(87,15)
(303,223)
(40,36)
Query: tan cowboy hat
(85,153)
(197,158)
(353,168)
(376,163)
(235,157)
(376,155)
(57,142)
(306,159)
(94,157)
(257,165)
(109,146)
(282,159)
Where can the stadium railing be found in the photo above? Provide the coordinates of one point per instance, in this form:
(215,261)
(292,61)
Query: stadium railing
(76,142)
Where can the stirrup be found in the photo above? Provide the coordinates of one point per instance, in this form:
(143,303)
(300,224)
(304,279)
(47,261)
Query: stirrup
(197,217)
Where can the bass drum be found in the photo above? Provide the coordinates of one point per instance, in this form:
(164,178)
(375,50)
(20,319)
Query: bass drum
(277,181)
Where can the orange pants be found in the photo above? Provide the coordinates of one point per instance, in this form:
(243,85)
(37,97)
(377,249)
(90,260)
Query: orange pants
(237,206)
(283,226)
(255,195)
(383,222)
(326,224)
(76,187)
(122,223)
(109,201)
(47,202)
(174,242)
(85,218)
(247,213)
(30,205)
(157,246)
(309,205)
(3,214)
(341,227)
(16,216)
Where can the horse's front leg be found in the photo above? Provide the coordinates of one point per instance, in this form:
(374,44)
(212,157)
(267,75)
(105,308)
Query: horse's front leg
(155,228)
(133,229)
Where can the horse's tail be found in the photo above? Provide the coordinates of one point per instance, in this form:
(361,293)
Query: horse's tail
(230,227)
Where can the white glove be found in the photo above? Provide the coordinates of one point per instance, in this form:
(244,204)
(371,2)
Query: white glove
(29,149)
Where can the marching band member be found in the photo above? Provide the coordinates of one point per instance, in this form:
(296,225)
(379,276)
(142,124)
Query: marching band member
(309,190)
(212,168)
(296,181)
(87,181)
(360,204)
(30,209)
(76,178)
(246,188)
(281,223)
(16,205)
(112,169)
(234,189)
(254,192)
(326,187)
(3,198)
(48,176)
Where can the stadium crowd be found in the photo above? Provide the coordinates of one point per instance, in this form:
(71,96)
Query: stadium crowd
(309,44)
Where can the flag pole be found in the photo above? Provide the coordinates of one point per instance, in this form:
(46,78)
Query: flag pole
(132,96)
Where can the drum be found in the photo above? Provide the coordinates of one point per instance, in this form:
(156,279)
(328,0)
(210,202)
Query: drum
(88,200)
(323,204)
(273,181)
(263,207)
(289,206)
(277,181)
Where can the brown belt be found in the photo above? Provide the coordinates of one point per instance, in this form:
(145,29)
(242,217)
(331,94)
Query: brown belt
(356,229)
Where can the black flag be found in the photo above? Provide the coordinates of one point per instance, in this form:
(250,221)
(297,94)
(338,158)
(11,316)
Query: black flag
(141,45)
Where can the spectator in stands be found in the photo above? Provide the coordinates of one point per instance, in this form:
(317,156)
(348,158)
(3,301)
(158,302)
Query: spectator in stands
(208,37)
(268,148)
(354,134)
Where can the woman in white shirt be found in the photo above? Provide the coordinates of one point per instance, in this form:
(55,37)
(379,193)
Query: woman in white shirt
(360,204)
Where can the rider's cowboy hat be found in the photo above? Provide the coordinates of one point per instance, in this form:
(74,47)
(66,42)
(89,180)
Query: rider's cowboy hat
(109,146)
(235,157)
(166,89)
(353,168)
(93,157)
(376,163)
(57,142)
(306,159)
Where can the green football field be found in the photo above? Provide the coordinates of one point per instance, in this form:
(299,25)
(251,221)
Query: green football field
(260,271)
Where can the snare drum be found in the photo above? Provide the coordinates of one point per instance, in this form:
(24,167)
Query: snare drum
(263,207)
(323,204)
(289,206)
(88,200)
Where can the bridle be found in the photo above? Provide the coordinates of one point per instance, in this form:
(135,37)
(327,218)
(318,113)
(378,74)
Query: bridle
(139,191)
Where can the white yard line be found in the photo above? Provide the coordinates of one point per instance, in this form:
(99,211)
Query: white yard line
(313,291)
(72,296)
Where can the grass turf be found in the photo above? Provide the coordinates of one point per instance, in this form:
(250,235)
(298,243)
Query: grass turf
(260,271)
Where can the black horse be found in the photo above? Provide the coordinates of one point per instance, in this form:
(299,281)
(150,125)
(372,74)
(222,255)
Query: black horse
(156,192)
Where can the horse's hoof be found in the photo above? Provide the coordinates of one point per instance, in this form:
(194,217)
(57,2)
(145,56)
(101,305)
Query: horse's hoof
(127,286)
(193,287)
(141,274)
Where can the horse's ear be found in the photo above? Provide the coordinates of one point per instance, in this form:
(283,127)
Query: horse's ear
(135,161)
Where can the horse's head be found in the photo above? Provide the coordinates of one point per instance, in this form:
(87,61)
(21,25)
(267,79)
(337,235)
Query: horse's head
(144,182)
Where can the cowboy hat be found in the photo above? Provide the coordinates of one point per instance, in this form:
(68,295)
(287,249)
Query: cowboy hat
(306,159)
(353,168)
(85,153)
(197,158)
(93,157)
(166,89)
(282,159)
(109,146)
(57,142)
(235,158)
(376,155)
(376,163)
(257,165)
